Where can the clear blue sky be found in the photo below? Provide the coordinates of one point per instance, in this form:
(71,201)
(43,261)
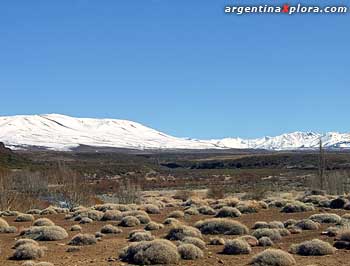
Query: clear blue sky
(182,67)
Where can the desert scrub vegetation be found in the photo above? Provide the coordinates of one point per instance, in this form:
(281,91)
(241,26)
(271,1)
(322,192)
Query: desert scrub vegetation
(273,234)
(325,218)
(297,206)
(43,222)
(32,263)
(75,228)
(273,257)
(112,215)
(159,251)
(24,241)
(236,247)
(313,247)
(307,224)
(110,229)
(251,240)
(28,251)
(194,241)
(189,251)
(172,221)
(265,242)
(45,233)
(83,240)
(182,231)
(228,212)
(152,226)
(184,194)
(139,236)
(191,211)
(176,214)
(215,226)
(216,241)
(151,209)
(129,221)
(24,217)
(206,210)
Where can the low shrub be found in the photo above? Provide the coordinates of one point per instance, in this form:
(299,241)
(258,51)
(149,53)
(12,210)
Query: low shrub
(172,221)
(83,240)
(251,240)
(273,257)
(297,206)
(325,218)
(216,226)
(236,247)
(194,241)
(112,215)
(206,210)
(28,252)
(307,224)
(265,242)
(45,233)
(176,214)
(228,212)
(190,252)
(191,211)
(24,241)
(313,247)
(152,209)
(75,228)
(110,229)
(43,222)
(180,232)
(86,220)
(260,224)
(140,236)
(24,217)
(273,234)
(143,219)
(159,251)
(129,221)
(216,241)
(152,226)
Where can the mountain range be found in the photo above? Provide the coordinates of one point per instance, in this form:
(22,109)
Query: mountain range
(64,133)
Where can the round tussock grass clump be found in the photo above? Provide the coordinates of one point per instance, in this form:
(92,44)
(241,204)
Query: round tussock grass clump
(143,219)
(99,235)
(313,247)
(251,240)
(343,235)
(260,224)
(206,210)
(216,226)
(273,257)
(180,232)
(217,241)
(249,206)
(48,211)
(290,222)
(159,251)
(83,240)
(236,247)
(24,217)
(34,211)
(45,233)
(152,226)
(86,220)
(194,241)
(43,222)
(94,215)
(190,252)
(176,214)
(307,224)
(112,215)
(32,263)
(24,241)
(276,225)
(110,229)
(265,242)
(172,221)
(338,203)
(152,209)
(325,218)
(75,228)
(273,234)
(228,212)
(3,226)
(141,236)
(297,206)
(28,252)
(283,232)
(294,230)
(129,221)
(191,211)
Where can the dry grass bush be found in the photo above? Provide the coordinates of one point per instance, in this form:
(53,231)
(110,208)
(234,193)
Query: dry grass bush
(283,231)
(307,224)
(141,236)
(159,251)
(45,233)
(176,214)
(206,210)
(273,234)
(134,213)
(86,220)
(191,211)
(182,231)
(343,234)
(24,241)
(111,206)
(265,242)
(194,241)
(24,217)
(32,263)
(250,206)
(215,192)
(48,211)
(110,229)
(228,212)
(3,225)
(217,226)
(313,247)
(184,194)
(43,222)
(195,202)
(83,240)
(217,241)
(290,222)
(189,251)
(273,257)
(172,221)
(75,228)
(251,240)
(129,221)
(9,213)
(152,209)
(260,224)
(325,218)
(276,225)
(338,203)
(94,215)
(112,215)
(152,226)
(28,252)
(297,206)
(236,247)
(143,219)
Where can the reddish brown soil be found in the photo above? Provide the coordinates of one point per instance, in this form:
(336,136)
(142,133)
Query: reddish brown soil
(106,251)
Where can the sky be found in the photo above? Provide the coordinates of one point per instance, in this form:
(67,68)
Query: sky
(182,67)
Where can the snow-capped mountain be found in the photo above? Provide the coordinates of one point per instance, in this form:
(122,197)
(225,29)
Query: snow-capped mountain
(60,132)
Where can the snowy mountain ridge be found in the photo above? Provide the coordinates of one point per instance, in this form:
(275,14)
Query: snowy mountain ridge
(64,133)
